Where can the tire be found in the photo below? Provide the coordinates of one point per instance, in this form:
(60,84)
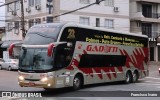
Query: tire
(0,67)
(77,82)
(48,89)
(128,78)
(9,68)
(135,77)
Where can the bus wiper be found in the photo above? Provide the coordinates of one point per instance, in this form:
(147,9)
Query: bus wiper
(38,33)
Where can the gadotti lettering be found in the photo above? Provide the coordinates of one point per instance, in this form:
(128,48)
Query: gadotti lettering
(105,48)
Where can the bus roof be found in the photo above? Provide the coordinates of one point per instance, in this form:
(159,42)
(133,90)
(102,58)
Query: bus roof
(67,24)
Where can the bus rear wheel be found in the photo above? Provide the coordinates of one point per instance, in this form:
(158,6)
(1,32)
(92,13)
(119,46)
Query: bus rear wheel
(77,82)
(128,77)
(135,76)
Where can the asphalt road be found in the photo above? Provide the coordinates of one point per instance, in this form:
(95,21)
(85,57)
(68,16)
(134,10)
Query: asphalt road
(117,90)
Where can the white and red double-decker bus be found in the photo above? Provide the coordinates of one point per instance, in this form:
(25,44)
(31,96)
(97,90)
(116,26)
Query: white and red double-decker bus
(60,55)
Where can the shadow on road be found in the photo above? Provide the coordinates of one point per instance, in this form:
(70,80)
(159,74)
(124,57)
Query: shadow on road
(69,92)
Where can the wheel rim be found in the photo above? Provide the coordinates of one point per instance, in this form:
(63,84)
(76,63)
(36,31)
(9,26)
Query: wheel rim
(76,82)
(0,67)
(9,68)
(127,78)
(135,77)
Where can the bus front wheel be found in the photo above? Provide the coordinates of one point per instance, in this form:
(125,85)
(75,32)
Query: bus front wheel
(77,82)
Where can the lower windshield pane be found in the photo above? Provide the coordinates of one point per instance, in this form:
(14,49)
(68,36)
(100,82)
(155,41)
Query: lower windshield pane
(35,59)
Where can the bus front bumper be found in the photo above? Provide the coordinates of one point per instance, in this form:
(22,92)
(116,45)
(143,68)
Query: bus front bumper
(39,84)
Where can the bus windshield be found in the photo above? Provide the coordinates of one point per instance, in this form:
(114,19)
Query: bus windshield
(35,60)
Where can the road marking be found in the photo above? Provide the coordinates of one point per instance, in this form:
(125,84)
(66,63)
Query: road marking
(153,78)
(154,72)
(149,84)
(152,82)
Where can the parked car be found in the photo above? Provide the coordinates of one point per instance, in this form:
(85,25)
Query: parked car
(9,64)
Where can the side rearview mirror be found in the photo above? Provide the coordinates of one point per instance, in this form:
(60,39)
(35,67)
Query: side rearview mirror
(50,49)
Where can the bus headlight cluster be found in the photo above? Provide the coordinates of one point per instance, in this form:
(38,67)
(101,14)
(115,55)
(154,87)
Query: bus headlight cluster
(21,78)
(44,79)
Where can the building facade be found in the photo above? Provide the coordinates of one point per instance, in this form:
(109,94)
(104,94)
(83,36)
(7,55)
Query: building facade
(145,19)
(136,16)
(109,14)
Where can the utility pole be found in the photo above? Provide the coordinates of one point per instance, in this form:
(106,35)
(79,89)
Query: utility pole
(22,20)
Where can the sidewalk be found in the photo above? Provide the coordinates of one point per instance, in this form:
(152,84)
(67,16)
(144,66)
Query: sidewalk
(154,63)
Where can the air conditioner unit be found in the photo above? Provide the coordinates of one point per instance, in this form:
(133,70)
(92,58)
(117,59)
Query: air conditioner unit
(14,13)
(116,9)
(38,7)
(28,10)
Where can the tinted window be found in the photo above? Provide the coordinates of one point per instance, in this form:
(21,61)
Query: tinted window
(63,56)
(96,36)
(90,60)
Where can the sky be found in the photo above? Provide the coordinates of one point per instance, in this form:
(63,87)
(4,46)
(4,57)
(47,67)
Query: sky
(2,13)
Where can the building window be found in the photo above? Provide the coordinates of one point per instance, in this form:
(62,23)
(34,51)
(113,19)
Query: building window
(9,8)
(85,1)
(97,22)
(49,19)
(31,2)
(37,21)
(37,2)
(9,26)
(16,25)
(31,23)
(109,23)
(109,2)
(17,5)
(84,20)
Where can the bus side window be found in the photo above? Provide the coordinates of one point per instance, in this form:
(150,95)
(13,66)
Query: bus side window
(62,56)
(69,36)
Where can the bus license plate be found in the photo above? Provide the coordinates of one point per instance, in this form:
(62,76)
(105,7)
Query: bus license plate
(31,84)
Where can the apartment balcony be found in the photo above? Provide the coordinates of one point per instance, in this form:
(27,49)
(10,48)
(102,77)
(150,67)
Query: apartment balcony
(139,16)
(152,1)
(152,15)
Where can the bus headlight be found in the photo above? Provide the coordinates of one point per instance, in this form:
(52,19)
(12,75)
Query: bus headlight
(21,78)
(44,79)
